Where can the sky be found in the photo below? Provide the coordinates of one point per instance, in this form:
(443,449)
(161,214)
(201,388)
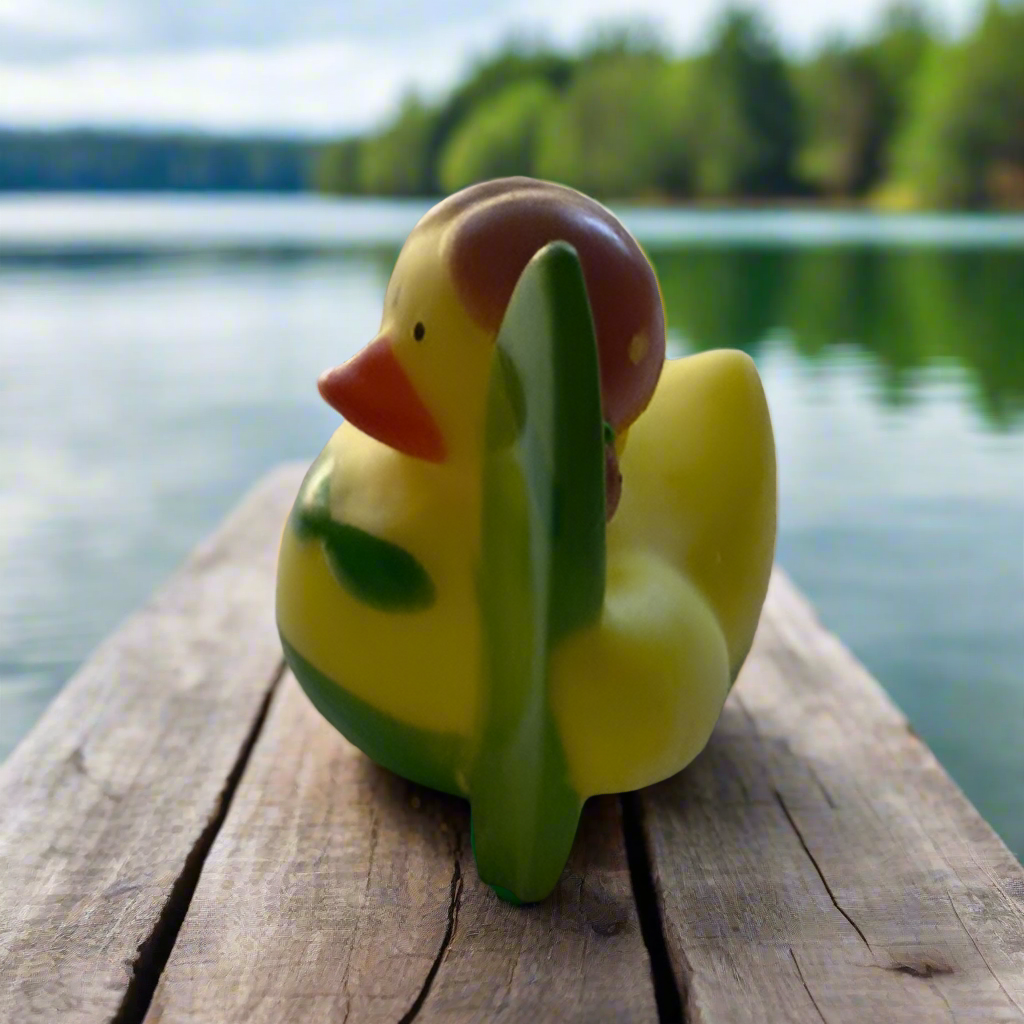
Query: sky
(318,66)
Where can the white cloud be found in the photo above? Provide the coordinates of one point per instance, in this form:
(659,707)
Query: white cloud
(308,87)
(36,29)
(32,29)
(309,65)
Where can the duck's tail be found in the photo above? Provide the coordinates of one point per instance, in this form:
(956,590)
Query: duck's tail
(700,487)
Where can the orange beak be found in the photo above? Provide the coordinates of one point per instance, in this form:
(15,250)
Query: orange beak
(374,393)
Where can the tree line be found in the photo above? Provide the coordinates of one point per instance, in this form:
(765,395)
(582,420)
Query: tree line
(107,160)
(905,117)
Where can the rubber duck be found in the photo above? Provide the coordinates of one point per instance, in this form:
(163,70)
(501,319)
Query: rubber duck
(527,616)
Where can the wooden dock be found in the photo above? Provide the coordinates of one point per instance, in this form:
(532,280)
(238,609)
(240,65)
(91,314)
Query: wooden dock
(183,839)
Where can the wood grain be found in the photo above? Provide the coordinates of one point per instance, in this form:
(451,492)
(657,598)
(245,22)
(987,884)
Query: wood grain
(106,806)
(579,956)
(816,863)
(338,892)
(184,838)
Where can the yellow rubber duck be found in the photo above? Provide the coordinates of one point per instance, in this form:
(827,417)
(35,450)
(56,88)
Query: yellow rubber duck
(428,627)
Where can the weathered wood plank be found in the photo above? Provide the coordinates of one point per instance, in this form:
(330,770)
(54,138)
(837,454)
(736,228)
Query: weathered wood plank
(107,806)
(816,863)
(336,891)
(327,893)
(579,956)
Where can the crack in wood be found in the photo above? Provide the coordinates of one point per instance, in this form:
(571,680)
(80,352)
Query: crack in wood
(817,868)
(454,901)
(669,995)
(357,931)
(923,970)
(155,950)
(807,988)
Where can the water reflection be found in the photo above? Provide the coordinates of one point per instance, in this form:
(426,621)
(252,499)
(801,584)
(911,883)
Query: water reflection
(910,310)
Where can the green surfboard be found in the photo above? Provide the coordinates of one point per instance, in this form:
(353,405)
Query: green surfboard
(542,572)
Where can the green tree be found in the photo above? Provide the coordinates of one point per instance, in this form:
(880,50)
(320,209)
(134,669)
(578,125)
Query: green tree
(853,99)
(620,130)
(518,60)
(498,138)
(631,38)
(749,125)
(896,51)
(336,168)
(964,142)
(397,161)
(845,116)
(678,103)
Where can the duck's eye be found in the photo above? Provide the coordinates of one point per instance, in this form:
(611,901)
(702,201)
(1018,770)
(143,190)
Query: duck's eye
(418,331)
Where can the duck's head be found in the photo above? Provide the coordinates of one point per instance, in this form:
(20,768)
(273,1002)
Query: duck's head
(420,386)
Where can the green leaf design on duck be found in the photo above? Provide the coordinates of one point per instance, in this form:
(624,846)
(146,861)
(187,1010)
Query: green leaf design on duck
(542,568)
(375,571)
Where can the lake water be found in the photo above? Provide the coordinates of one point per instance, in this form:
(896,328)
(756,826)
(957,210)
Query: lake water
(158,355)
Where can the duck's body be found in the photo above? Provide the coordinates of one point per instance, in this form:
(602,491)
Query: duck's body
(689,553)
(375,649)
(451,668)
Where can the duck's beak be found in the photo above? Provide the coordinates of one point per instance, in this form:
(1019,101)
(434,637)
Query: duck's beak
(373,392)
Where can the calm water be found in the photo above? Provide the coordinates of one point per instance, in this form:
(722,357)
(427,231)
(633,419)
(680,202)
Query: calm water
(157,356)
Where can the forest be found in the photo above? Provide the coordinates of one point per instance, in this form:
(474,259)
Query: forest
(98,160)
(904,118)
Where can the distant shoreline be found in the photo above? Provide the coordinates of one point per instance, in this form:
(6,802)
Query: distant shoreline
(739,204)
(106,225)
